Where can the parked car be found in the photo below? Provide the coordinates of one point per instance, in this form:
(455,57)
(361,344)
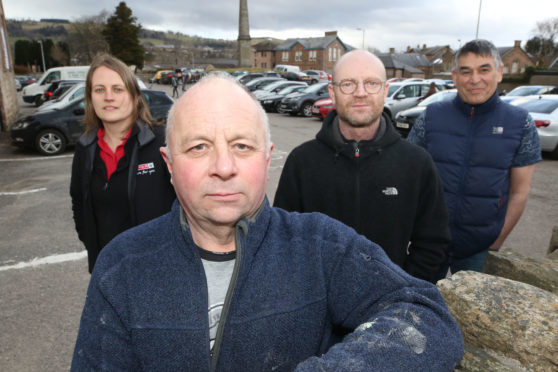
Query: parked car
(275,87)
(25,80)
(271,74)
(77,91)
(157,77)
(251,76)
(404,120)
(239,73)
(261,82)
(302,102)
(57,88)
(297,76)
(33,93)
(286,68)
(322,107)
(406,94)
(544,111)
(317,76)
(272,101)
(51,131)
(166,77)
(528,90)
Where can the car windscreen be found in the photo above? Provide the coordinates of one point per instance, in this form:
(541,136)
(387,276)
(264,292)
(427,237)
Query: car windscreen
(438,97)
(313,88)
(540,106)
(524,91)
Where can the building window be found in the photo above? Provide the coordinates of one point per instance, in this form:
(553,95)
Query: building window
(285,56)
(515,67)
(330,52)
(264,64)
(312,55)
(335,54)
(298,56)
(263,54)
(506,69)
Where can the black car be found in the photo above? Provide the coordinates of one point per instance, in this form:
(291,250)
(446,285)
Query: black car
(49,132)
(271,101)
(301,103)
(246,78)
(297,76)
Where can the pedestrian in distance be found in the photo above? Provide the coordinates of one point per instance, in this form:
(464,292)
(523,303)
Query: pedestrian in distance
(119,178)
(485,151)
(224,282)
(358,170)
(174,83)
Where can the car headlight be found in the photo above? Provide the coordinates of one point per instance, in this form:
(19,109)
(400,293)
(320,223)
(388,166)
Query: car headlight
(267,102)
(21,124)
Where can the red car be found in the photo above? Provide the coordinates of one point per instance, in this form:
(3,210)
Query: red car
(322,107)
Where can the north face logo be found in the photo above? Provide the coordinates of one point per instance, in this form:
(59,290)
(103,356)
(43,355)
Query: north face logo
(390,191)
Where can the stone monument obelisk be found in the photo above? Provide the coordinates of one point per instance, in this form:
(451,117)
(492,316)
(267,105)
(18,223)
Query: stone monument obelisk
(243,36)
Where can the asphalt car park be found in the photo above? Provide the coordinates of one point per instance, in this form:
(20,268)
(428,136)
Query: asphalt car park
(43,268)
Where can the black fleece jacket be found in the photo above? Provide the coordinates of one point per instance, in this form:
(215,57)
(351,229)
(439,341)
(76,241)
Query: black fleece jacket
(386,188)
(145,182)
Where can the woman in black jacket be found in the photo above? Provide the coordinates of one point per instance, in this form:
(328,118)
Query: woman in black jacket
(119,179)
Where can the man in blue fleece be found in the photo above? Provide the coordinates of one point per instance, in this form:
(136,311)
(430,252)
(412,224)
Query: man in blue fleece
(224,282)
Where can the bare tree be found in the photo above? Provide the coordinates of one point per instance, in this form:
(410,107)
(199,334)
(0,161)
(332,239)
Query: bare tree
(544,46)
(85,38)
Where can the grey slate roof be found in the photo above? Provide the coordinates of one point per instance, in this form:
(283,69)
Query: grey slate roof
(393,61)
(311,43)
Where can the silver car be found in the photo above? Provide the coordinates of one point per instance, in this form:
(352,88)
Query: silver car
(404,95)
(544,110)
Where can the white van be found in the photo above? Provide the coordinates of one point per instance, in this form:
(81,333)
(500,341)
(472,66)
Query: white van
(33,92)
(286,68)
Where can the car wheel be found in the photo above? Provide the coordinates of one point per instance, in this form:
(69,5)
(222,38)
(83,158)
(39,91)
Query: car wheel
(50,142)
(306,109)
(279,109)
(38,101)
(314,81)
(554,154)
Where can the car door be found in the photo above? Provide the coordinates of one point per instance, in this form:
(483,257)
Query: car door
(74,120)
(159,104)
(405,98)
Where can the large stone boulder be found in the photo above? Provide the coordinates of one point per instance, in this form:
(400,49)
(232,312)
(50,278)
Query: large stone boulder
(542,273)
(505,318)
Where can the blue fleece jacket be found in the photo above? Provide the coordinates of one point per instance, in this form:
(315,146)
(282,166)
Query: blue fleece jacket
(295,277)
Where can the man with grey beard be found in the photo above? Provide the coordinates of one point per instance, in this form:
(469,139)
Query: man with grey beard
(359,171)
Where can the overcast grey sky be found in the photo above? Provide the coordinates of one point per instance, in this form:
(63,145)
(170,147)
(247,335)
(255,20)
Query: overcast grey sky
(386,23)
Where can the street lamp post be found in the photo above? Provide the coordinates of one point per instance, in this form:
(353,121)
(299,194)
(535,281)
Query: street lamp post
(42,55)
(362,29)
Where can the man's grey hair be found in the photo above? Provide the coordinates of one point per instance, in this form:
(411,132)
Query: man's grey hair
(479,47)
(215,77)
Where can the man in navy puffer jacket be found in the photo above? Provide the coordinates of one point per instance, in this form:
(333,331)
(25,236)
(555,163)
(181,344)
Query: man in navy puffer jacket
(224,282)
(485,151)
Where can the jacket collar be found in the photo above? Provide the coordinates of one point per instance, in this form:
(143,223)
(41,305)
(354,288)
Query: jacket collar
(330,135)
(252,230)
(144,135)
(480,108)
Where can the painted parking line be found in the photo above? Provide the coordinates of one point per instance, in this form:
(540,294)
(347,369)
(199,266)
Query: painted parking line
(48,260)
(2,193)
(39,158)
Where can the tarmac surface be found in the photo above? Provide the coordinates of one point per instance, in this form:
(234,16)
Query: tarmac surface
(43,266)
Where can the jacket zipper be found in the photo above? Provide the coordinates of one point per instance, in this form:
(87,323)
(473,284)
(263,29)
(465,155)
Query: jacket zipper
(357,183)
(466,162)
(226,306)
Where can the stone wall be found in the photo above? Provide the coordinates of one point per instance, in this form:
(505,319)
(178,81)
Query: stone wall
(509,315)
